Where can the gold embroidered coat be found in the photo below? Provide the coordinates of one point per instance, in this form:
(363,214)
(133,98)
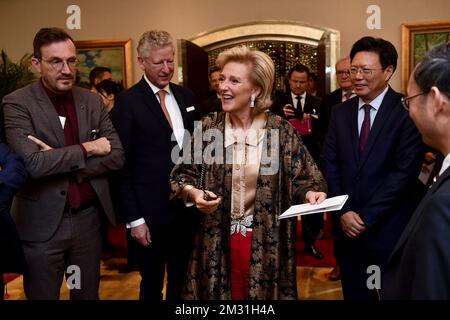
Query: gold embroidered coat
(273,254)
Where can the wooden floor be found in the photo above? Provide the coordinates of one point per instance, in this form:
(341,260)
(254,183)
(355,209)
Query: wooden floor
(116,284)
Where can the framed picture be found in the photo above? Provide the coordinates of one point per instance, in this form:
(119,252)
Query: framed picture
(114,54)
(417,39)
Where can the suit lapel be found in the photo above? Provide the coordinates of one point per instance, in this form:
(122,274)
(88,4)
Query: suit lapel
(153,105)
(80,108)
(419,211)
(181,104)
(50,114)
(381,118)
(354,127)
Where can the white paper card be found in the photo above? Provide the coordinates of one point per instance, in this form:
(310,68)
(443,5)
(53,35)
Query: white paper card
(63,121)
(330,204)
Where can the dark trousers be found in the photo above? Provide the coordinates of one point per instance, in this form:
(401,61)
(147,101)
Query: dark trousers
(76,243)
(312,226)
(170,249)
(353,259)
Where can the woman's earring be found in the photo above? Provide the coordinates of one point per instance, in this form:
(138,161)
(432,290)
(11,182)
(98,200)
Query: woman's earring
(252,101)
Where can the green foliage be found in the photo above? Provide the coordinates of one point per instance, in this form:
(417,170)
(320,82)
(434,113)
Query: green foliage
(14,75)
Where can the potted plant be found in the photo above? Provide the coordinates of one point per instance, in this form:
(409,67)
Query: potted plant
(14,75)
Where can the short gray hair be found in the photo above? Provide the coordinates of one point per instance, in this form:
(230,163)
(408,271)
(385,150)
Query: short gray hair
(153,39)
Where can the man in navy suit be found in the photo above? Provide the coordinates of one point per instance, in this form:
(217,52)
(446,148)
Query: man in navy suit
(373,153)
(12,176)
(152,119)
(420,262)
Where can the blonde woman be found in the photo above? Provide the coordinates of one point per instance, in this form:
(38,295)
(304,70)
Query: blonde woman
(243,251)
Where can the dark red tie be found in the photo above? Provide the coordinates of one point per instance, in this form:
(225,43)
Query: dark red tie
(365,128)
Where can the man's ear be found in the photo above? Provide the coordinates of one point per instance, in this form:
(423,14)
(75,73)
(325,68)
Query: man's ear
(389,71)
(141,63)
(36,64)
(438,100)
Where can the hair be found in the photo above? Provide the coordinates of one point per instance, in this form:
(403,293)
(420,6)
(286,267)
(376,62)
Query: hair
(46,36)
(434,70)
(154,39)
(109,86)
(299,68)
(386,51)
(262,71)
(97,72)
(214,69)
(341,60)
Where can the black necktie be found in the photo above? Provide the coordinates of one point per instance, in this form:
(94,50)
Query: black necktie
(299,103)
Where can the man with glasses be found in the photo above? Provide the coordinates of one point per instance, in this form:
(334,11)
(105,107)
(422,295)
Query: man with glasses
(152,119)
(343,93)
(420,262)
(373,153)
(50,124)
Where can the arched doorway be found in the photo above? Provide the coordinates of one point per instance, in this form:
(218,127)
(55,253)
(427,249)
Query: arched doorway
(286,42)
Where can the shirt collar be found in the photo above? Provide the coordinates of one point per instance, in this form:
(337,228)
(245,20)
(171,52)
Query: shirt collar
(445,164)
(154,88)
(303,95)
(375,103)
(255,134)
(53,95)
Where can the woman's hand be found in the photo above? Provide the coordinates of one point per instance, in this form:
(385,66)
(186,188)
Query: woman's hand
(314,197)
(197,196)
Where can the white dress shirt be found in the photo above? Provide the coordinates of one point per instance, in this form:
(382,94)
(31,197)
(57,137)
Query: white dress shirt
(375,103)
(177,123)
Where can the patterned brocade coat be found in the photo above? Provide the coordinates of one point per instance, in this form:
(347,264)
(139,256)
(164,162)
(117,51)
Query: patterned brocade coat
(273,261)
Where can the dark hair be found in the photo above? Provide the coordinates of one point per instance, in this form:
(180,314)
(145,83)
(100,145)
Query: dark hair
(47,36)
(313,76)
(299,68)
(386,51)
(214,69)
(96,73)
(109,86)
(434,70)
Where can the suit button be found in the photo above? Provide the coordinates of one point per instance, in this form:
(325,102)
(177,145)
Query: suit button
(358,177)
(63,193)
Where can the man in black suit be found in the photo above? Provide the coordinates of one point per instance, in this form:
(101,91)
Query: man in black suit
(343,93)
(420,262)
(12,176)
(296,103)
(373,153)
(152,119)
(213,102)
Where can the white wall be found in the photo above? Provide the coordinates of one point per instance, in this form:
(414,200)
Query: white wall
(106,19)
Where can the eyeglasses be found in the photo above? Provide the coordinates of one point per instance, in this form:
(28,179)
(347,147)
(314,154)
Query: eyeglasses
(365,71)
(405,100)
(58,64)
(342,73)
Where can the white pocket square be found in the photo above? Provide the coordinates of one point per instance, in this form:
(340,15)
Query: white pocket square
(191,108)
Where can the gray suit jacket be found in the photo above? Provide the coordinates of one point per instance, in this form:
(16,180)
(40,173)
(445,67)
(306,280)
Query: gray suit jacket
(38,207)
